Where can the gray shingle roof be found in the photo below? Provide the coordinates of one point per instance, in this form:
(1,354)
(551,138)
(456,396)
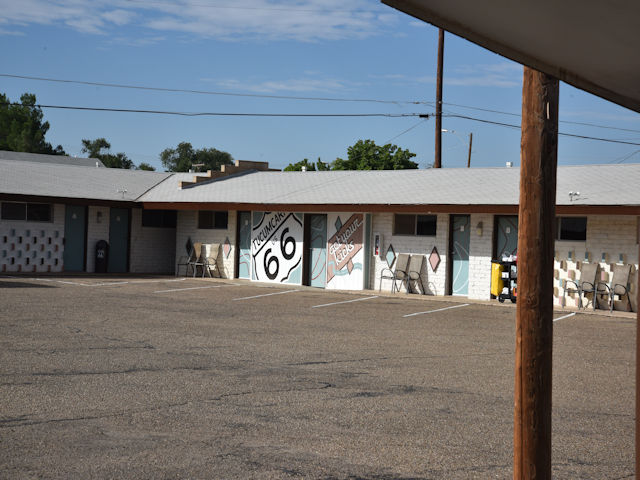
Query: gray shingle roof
(42,158)
(597,184)
(71,181)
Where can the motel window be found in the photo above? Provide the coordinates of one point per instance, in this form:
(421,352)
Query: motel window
(32,212)
(159,218)
(209,219)
(423,225)
(572,228)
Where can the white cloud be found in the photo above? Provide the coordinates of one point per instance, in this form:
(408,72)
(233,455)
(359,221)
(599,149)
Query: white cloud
(505,75)
(118,17)
(302,20)
(294,85)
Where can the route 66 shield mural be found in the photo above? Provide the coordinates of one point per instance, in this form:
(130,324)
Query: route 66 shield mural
(276,247)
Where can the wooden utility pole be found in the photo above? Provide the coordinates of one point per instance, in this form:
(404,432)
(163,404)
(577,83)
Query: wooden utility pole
(438,160)
(536,232)
(470,142)
(638,378)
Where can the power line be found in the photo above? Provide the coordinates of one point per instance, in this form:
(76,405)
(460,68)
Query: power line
(216,114)
(585,137)
(291,97)
(209,92)
(407,130)
(568,122)
(307,115)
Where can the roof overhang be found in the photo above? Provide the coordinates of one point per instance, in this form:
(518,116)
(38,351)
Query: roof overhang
(392,208)
(592,45)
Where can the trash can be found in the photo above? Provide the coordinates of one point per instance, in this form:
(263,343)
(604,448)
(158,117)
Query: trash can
(102,256)
(497,284)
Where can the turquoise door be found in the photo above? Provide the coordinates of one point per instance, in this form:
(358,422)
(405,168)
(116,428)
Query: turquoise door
(118,241)
(460,237)
(244,244)
(506,236)
(317,251)
(75,226)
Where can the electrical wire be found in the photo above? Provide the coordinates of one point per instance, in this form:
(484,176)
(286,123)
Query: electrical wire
(291,97)
(208,92)
(502,124)
(308,115)
(215,114)
(568,122)
(407,130)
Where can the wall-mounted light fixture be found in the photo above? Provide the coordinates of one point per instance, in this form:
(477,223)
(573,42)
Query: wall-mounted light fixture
(99,217)
(479,228)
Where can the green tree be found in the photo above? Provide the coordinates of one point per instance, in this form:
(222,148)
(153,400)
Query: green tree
(22,128)
(319,165)
(146,166)
(366,155)
(184,157)
(94,149)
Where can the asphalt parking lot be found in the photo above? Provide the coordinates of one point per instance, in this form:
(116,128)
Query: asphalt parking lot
(156,377)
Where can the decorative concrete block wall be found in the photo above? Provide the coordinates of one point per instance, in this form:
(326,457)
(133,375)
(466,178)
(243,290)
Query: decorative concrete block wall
(420,245)
(608,237)
(153,249)
(33,246)
(187,228)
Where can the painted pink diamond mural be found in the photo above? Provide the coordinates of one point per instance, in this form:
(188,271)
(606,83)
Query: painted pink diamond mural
(434,259)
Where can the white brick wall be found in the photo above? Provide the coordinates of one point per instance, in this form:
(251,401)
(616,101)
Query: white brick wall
(96,232)
(434,281)
(152,249)
(187,227)
(33,246)
(480,250)
(611,235)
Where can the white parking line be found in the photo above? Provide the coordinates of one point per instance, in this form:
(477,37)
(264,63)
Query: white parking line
(103,284)
(438,310)
(564,316)
(196,288)
(346,301)
(267,295)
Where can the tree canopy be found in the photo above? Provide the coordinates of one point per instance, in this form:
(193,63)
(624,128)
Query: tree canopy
(146,166)
(94,149)
(364,155)
(22,128)
(184,157)
(311,166)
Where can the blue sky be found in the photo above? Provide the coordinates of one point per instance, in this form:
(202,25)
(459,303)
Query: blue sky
(307,48)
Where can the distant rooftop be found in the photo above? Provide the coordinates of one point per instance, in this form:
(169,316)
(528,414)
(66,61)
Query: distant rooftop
(43,158)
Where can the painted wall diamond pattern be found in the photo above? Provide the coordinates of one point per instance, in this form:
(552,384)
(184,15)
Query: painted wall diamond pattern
(434,259)
(390,256)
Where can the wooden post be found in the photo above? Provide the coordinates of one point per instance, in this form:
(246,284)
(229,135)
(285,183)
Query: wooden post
(536,237)
(438,160)
(638,370)
(469,158)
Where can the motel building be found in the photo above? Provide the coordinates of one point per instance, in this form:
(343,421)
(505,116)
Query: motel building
(335,230)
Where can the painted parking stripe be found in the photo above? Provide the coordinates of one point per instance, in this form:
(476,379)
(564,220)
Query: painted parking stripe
(267,295)
(107,284)
(196,288)
(437,310)
(564,316)
(345,301)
